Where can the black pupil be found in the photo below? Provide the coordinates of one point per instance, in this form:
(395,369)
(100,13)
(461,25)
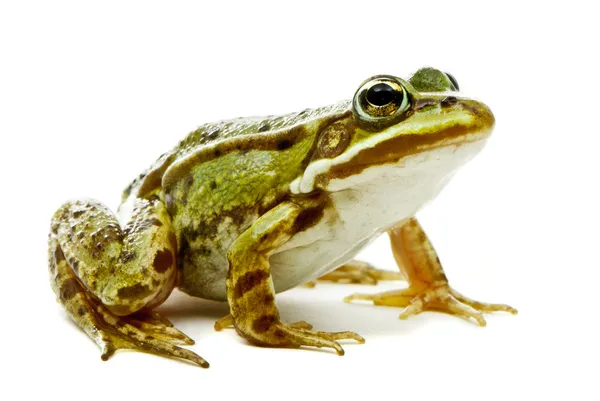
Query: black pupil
(381,94)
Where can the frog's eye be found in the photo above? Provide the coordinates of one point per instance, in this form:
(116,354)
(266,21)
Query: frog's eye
(453,80)
(381,98)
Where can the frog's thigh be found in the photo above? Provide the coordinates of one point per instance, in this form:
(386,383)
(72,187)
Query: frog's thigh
(250,289)
(428,286)
(104,276)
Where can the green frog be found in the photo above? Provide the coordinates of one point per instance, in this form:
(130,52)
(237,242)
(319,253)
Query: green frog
(243,209)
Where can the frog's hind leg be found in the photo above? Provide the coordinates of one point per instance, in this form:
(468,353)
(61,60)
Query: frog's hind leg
(109,279)
(428,286)
(358,272)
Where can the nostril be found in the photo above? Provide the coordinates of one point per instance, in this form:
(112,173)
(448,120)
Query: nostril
(450,100)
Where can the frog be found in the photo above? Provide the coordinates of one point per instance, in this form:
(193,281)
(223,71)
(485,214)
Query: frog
(243,209)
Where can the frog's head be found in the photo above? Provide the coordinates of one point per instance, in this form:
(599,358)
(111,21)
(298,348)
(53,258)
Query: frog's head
(396,123)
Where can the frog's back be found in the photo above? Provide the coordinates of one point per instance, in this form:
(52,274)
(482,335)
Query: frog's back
(206,136)
(221,178)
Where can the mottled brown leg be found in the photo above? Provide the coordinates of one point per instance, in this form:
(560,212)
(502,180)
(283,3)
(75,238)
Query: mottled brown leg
(108,279)
(145,331)
(250,289)
(358,272)
(428,286)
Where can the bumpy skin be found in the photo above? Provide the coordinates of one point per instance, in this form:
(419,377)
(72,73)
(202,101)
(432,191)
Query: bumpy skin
(208,215)
(100,272)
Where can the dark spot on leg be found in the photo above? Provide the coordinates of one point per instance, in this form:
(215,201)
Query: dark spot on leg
(264,127)
(59,256)
(81,311)
(156,222)
(135,291)
(263,323)
(68,289)
(249,281)
(268,299)
(163,260)
(217,152)
(213,185)
(284,144)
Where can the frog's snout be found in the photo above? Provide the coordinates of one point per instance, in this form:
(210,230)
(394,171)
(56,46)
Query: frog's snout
(483,119)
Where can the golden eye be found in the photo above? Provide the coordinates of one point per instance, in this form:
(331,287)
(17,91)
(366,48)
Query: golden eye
(381,98)
(334,140)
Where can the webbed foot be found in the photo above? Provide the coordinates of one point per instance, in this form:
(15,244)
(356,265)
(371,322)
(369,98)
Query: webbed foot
(440,298)
(148,332)
(358,272)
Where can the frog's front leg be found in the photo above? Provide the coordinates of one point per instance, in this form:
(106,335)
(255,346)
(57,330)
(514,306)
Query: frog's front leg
(108,279)
(428,286)
(250,289)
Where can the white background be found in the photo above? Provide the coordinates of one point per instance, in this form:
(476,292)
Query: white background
(91,94)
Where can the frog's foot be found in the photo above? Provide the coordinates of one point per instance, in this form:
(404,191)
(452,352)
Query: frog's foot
(357,272)
(292,335)
(440,298)
(301,334)
(159,327)
(147,332)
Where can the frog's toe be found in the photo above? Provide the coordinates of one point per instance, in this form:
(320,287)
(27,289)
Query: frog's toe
(158,327)
(223,323)
(301,334)
(135,333)
(357,272)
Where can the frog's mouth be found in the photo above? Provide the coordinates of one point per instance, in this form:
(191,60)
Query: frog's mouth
(467,122)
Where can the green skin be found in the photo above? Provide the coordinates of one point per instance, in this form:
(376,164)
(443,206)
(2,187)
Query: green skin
(207,216)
